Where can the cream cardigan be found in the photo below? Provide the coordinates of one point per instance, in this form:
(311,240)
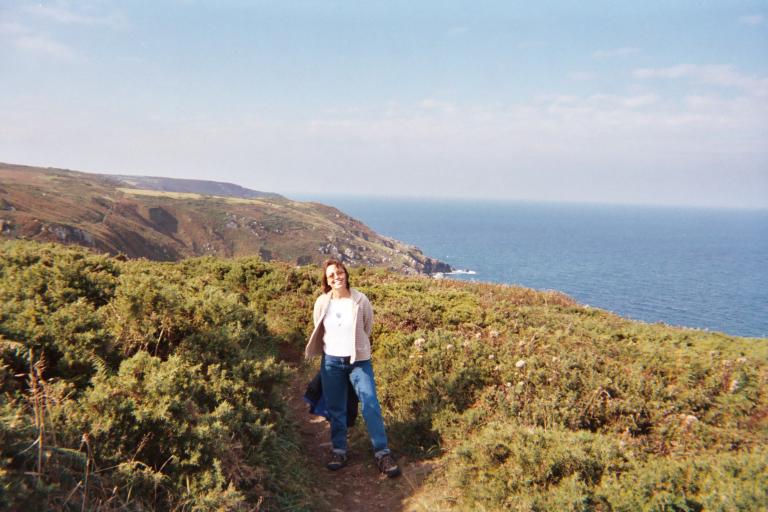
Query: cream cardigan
(362,316)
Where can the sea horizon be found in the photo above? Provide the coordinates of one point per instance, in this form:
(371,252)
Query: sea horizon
(328,198)
(690,266)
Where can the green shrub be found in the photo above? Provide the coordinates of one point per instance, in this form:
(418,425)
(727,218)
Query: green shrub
(133,384)
(49,298)
(710,481)
(186,430)
(140,385)
(505,467)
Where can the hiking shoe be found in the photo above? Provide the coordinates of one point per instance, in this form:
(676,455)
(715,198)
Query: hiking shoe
(388,466)
(337,461)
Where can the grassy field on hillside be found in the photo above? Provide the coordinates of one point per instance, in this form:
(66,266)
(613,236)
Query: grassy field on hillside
(193,195)
(159,386)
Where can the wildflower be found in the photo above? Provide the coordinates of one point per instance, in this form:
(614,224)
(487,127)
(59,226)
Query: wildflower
(688,420)
(520,363)
(418,343)
(491,356)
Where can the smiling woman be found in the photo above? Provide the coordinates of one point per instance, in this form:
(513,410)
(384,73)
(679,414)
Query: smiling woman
(343,320)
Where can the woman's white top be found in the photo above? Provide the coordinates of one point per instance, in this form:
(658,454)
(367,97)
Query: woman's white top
(339,328)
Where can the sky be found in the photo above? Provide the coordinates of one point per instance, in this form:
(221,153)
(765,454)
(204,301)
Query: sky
(653,102)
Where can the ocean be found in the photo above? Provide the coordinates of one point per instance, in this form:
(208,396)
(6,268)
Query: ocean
(701,268)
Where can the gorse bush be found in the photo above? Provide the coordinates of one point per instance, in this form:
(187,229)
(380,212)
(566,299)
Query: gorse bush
(708,481)
(576,401)
(49,302)
(532,468)
(141,385)
(154,386)
(158,418)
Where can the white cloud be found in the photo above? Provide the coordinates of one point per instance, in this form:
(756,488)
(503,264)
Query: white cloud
(596,102)
(554,143)
(557,121)
(752,20)
(670,72)
(615,52)
(65,15)
(715,75)
(699,102)
(639,101)
(25,39)
(9,28)
(33,34)
(435,105)
(634,141)
(581,76)
(45,46)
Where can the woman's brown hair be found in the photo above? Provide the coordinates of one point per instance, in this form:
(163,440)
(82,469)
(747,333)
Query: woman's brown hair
(339,264)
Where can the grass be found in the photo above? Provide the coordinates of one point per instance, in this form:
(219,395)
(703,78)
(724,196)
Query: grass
(193,195)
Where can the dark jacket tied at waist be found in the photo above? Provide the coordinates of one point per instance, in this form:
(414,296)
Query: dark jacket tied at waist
(314,397)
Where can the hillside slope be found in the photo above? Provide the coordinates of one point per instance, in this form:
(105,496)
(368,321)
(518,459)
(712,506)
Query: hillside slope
(147,386)
(202,187)
(109,214)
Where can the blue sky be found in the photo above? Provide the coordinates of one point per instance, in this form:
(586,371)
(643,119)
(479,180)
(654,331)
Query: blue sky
(620,102)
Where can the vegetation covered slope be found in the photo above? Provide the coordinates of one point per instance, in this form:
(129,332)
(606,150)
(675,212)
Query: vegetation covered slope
(149,386)
(162,222)
(201,187)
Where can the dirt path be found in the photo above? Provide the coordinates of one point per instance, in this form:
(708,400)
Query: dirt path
(359,486)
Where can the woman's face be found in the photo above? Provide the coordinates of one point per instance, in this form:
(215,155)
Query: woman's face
(337,278)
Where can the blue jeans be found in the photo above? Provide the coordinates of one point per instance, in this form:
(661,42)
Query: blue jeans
(335,372)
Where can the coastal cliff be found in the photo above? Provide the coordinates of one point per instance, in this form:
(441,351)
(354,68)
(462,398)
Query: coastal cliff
(166,219)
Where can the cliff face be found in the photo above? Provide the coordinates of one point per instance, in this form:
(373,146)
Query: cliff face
(169,219)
